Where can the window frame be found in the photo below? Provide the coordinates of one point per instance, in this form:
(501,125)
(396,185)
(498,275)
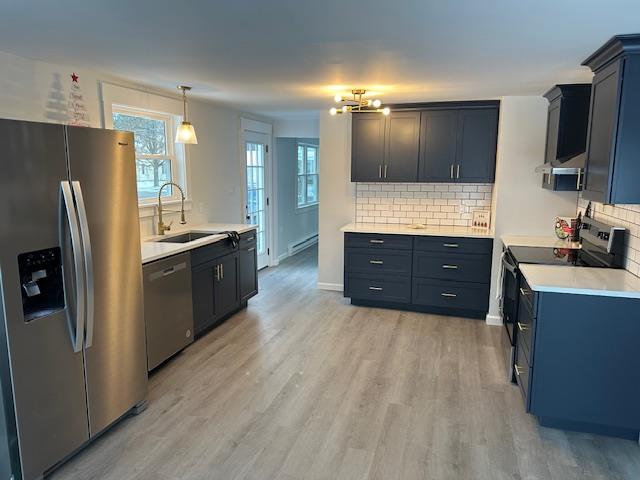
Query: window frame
(307,204)
(174,152)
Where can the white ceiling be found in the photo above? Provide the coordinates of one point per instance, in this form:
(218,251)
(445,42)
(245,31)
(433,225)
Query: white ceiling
(287,57)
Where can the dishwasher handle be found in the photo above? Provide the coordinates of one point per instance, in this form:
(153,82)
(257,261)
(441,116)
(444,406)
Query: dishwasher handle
(165,272)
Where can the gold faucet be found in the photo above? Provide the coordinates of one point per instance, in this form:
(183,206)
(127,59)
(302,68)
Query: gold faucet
(161,225)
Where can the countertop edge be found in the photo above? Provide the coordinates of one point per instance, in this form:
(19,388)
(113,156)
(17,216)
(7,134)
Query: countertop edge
(179,248)
(433,231)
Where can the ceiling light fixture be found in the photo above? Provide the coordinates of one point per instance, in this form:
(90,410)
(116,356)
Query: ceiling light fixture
(186,133)
(357,104)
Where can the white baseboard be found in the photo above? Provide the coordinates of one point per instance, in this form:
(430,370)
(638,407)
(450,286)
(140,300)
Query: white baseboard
(336,287)
(493,319)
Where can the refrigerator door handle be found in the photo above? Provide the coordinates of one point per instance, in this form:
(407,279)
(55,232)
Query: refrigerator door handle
(67,198)
(88,263)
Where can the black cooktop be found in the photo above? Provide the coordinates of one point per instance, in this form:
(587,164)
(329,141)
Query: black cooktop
(546,255)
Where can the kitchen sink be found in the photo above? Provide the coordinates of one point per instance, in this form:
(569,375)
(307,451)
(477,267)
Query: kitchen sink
(186,237)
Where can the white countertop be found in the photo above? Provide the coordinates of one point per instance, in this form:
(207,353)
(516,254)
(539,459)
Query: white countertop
(432,231)
(153,250)
(537,241)
(608,282)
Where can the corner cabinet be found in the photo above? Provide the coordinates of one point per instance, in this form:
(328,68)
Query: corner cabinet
(224,277)
(385,148)
(441,142)
(612,170)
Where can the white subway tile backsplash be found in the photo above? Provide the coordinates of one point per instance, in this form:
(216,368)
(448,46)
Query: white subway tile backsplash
(626,216)
(429,203)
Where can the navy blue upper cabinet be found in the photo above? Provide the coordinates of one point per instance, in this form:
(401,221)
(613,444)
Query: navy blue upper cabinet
(477,142)
(428,142)
(367,147)
(613,144)
(385,148)
(402,142)
(439,142)
(458,144)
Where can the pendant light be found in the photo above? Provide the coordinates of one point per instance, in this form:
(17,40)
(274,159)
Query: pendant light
(186,132)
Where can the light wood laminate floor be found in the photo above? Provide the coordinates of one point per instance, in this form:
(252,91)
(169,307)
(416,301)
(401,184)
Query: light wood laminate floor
(302,385)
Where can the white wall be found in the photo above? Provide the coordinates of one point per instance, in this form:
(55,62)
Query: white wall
(294,224)
(39,91)
(337,197)
(297,127)
(521,206)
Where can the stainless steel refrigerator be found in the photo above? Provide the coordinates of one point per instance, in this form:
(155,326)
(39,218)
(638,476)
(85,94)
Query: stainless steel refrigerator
(73,336)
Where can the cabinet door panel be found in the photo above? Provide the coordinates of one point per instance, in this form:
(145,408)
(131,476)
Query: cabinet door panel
(438,143)
(367,147)
(403,147)
(476,153)
(248,273)
(202,279)
(553,124)
(226,286)
(603,119)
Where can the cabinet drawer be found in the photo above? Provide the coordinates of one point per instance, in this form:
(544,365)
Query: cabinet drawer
(375,260)
(527,297)
(465,268)
(525,325)
(523,374)
(454,245)
(442,293)
(248,239)
(210,252)
(379,287)
(373,240)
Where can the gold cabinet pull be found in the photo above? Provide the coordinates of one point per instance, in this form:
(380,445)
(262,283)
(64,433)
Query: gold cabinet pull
(517,369)
(376,262)
(451,171)
(373,240)
(450,267)
(376,289)
(449,295)
(450,245)
(457,171)
(522,328)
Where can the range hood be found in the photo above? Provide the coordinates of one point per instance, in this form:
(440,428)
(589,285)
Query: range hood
(567,122)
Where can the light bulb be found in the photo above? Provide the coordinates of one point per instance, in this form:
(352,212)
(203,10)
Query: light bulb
(377,103)
(345,109)
(338,98)
(333,111)
(386,110)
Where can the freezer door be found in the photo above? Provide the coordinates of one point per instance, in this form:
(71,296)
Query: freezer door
(102,168)
(47,375)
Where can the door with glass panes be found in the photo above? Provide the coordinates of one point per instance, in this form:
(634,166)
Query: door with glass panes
(257,194)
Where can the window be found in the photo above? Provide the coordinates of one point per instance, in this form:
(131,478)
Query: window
(307,187)
(156,156)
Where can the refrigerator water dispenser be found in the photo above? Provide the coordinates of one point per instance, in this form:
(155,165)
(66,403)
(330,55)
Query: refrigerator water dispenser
(42,284)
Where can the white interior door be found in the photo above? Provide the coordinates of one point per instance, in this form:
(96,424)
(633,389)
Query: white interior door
(256,146)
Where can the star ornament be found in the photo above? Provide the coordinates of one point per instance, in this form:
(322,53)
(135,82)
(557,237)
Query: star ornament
(74,77)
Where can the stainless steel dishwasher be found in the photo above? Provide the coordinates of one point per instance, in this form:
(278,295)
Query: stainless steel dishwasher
(168,309)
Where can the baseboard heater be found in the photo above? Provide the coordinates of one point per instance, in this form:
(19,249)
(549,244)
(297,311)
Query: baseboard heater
(301,245)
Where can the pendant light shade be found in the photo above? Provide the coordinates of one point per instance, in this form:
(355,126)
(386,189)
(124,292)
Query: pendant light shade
(185,133)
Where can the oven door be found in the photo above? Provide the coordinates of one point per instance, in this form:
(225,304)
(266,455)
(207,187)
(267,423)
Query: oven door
(510,289)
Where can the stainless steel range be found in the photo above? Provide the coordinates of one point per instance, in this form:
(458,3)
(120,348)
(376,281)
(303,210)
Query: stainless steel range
(602,246)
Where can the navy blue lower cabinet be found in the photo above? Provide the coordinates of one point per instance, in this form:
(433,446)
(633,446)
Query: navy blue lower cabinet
(381,288)
(442,275)
(585,368)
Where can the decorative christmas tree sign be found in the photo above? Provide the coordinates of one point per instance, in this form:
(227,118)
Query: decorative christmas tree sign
(78,113)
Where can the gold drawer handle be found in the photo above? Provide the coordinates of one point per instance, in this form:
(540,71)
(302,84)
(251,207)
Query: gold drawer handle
(376,289)
(450,295)
(450,245)
(376,262)
(450,267)
(524,292)
(517,368)
(376,241)
(522,328)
